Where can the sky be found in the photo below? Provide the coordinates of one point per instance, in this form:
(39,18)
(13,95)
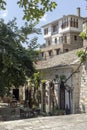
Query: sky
(64,7)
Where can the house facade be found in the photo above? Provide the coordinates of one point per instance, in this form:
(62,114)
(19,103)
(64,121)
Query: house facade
(62,35)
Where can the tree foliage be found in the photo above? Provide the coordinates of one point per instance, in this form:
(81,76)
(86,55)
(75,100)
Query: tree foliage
(33,9)
(2,4)
(82,54)
(83,35)
(16,62)
(35,83)
(36,79)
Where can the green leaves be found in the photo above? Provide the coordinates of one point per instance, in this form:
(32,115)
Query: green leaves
(35,9)
(2,4)
(83,35)
(82,55)
(35,79)
(53,4)
(16,62)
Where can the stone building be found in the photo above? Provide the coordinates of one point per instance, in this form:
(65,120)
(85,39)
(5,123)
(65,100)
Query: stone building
(61,65)
(62,35)
(65,78)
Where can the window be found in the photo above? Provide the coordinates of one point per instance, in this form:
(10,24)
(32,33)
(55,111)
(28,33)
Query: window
(42,54)
(57,51)
(56,40)
(49,43)
(66,50)
(64,23)
(50,53)
(71,22)
(74,23)
(65,39)
(61,39)
(45,31)
(75,38)
(67,22)
(54,28)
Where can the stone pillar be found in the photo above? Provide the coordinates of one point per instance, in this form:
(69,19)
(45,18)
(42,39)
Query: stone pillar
(72,103)
(85,43)
(49,98)
(40,89)
(56,92)
(76,92)
(41,97)
(85,31)
(67,103)
(24,93)
(48,102)
(83,89)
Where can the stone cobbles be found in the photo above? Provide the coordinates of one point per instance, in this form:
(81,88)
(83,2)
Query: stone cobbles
(66,122)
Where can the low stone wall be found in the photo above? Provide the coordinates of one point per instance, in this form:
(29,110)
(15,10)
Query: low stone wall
(8,113)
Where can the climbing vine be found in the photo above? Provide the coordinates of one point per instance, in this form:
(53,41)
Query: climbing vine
(82,55)
(83,35)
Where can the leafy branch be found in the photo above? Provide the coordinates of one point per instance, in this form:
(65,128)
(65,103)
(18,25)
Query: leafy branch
(33,9)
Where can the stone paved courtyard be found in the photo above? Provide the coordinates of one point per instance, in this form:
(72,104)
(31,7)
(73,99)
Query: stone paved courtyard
(67,122)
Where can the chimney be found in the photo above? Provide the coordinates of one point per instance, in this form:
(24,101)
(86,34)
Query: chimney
(78,11)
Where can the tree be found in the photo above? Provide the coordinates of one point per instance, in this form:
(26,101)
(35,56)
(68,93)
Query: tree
(16,63)
(35,83)
(33,9)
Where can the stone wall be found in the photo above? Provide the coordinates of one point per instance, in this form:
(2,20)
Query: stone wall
(83,89)
(49,74)
(83,86)
(76,41)
(76,91)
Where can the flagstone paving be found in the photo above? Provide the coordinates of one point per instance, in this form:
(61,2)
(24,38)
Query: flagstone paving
(66,122)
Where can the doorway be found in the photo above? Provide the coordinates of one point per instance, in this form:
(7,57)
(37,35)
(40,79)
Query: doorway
(16,94)
(62,96)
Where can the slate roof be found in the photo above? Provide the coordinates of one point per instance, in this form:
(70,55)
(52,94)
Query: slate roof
(61,60)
